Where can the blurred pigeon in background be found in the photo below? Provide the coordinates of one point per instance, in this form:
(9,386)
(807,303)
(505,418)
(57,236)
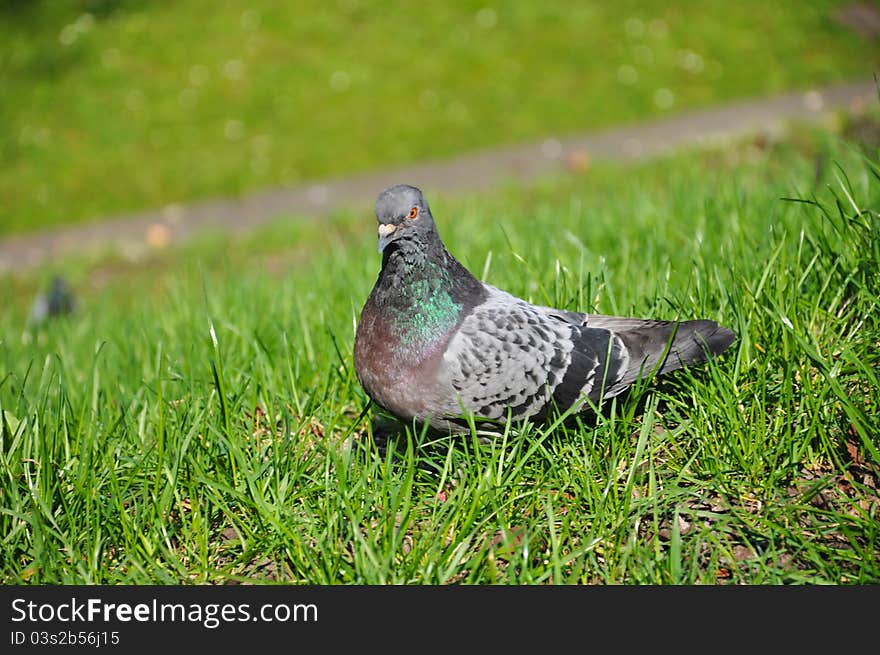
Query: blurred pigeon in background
(56,301)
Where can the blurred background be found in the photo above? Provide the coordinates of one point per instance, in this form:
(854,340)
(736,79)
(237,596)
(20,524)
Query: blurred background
(115,106)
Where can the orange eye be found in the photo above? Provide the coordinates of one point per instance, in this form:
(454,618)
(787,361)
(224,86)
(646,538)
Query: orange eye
(413,213)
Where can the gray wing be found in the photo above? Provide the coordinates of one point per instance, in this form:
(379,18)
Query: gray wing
(510,354)
(645,347)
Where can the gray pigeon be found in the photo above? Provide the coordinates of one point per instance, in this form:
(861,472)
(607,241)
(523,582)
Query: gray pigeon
(434,343)
(56,301)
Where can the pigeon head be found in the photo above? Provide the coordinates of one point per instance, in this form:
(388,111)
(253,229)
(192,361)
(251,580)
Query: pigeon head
(404,216)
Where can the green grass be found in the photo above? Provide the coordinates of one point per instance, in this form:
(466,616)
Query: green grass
(113,106)
(197,420)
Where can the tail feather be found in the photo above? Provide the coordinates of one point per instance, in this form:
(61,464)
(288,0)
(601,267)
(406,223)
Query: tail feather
(663,346)
(696,342)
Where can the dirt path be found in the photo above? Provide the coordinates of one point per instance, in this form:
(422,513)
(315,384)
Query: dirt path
(466,173)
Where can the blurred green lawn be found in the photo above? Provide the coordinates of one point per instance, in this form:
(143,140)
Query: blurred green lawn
(111,106)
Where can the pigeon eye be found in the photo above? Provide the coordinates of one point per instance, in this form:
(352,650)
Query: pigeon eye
(413,213)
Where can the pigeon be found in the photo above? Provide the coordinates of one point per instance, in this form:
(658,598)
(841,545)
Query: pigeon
(56,301)
(435,345)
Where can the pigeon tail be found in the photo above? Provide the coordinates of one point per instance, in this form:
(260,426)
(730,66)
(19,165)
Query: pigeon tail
(696,342)
(663,346)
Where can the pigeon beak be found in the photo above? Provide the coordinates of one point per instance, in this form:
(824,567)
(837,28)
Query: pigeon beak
(385,232)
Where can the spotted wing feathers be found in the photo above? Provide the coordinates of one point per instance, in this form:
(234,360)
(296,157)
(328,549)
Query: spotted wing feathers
(511,356)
